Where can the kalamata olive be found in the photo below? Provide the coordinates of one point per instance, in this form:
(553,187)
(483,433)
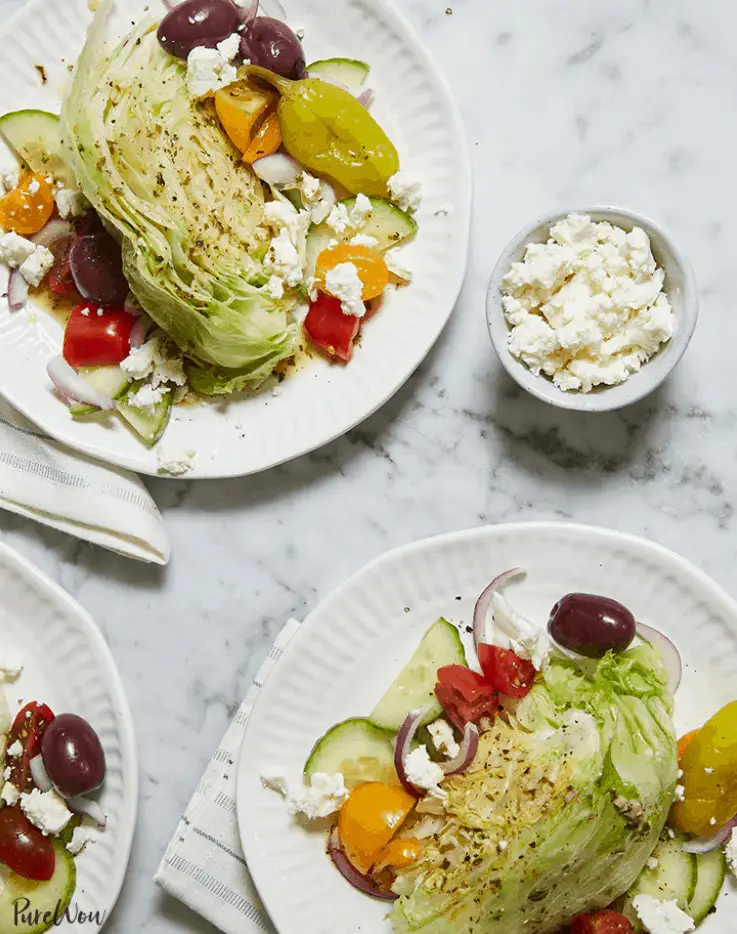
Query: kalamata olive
(197,23)
(273,45)
(591,625)
(97,269)
(73,755)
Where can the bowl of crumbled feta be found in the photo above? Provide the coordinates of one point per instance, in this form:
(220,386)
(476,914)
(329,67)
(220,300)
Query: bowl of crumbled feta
(591,310)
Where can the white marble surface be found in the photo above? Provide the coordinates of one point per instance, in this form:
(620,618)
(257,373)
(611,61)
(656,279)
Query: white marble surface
(566,102)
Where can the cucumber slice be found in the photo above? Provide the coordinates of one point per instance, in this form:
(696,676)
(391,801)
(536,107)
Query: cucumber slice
(48,900)
(357,749)
(415,685)
(34,135)
(148,424)
(387,223)
(348,71)
(673,879)
(710,870)
(108,379)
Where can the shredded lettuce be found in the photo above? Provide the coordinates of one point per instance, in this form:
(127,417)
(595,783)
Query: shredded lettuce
(560,810)
(188,211)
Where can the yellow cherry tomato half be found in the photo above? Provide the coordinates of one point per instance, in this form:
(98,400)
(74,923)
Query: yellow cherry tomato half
(399,854)
(368,820)
(709,780)
(370,267)
(266,140)
(27,208)
(242,108)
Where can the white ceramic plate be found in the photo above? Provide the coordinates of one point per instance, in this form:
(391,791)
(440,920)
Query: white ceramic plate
(68,666)
(321,401)
(356,641)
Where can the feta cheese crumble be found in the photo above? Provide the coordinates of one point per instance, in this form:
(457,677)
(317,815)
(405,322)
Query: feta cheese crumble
(37,265)
(730,851)
(283,259)
(274,779)
(11,663)
(535,648)
(323,796)
(587,307)
(364,240)
(174,463)
(421,770)
(342,282)
(309,187)
(208,70)
(405,192)
(80,838)
(396,265)
(70,202)
(15,249)
(338,219)
(680,793)
(275,287)
(147,397)
(15,750)
(158,359)
(10,794)
(443,738)
(653,862)
(46,810)
(662,917)
(11,177)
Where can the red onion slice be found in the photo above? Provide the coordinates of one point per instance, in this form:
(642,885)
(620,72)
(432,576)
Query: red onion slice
(467,753)
(139,330)
(346,868)
(481,610)
(38,773)
(17,291)
(278,169)
(53,231)
(248,13)
(366,98)
(404,740)
(72,386)
(701,845)
(81,805)
(668,652)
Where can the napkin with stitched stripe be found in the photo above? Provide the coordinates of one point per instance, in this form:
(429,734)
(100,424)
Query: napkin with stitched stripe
(42,480)
(204,866)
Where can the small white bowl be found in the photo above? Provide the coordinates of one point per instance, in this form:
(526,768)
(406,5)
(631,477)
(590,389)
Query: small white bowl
(680,287)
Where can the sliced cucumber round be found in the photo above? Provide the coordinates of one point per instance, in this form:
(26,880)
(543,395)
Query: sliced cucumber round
(357,749)
(389,225)
(110,380)
(348,71)
(28,907)
(415,685)
(149,423)
(710,871)
(673,879)
(35,136)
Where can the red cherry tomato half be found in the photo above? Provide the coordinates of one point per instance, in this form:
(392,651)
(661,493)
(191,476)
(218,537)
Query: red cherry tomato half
(509,674)
(331,331)
(27,729)
(23,848)
(465,695)
(93,339)
(60,277)
(602,922)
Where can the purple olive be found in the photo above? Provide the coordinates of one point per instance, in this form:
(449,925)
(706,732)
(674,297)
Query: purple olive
(591,625)
(273,45)
(97,269)
(197,23)
(73,755)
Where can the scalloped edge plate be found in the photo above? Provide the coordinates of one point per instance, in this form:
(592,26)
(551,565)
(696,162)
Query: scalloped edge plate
(353,644)
(69,666)
(320,401)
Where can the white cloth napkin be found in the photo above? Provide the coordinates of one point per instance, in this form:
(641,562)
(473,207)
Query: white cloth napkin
(204,864)
(42,480)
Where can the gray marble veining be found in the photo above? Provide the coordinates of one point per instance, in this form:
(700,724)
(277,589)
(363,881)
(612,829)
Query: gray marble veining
(566,102)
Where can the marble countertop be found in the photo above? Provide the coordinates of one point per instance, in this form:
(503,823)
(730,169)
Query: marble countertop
(566,103)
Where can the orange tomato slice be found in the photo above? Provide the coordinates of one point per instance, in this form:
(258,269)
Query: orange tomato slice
(368,820)
(399,854)
(27,208)
(242,108)
(266,140)
(370,267)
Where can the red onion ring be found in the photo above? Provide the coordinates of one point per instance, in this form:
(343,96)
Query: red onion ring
(467,753)
(701,845)
(139,330)
(52,231)
(481,610)
(278,169)
(344,866)
(81,805)
(404,740)
(366,98)
(72,386)
(668,652)
(38,773)
(17,291)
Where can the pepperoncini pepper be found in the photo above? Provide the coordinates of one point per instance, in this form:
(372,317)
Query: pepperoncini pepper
(326,130)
